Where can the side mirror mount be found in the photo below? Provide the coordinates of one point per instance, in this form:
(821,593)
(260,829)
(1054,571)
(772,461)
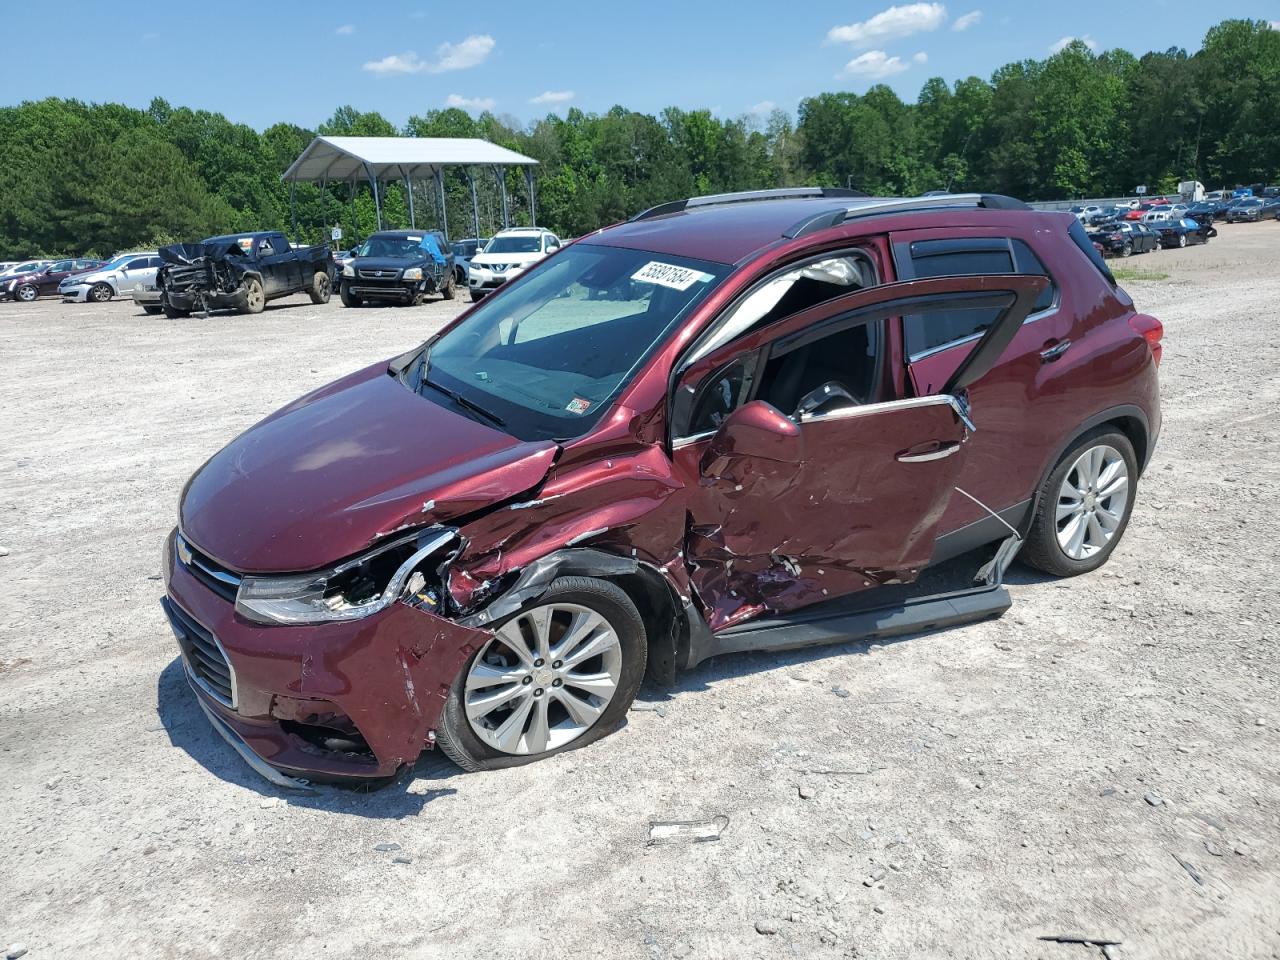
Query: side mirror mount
(757,430)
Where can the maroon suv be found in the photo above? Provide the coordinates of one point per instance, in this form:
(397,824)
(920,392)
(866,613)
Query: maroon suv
(732,423)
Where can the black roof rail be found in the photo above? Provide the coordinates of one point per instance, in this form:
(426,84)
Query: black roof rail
(875,206)
(748,196)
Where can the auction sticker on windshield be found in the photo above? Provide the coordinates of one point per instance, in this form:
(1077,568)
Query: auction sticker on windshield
(669,275)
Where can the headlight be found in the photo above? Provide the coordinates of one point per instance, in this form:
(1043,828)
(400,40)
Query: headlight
(413,273)
(350,591)
(348,270)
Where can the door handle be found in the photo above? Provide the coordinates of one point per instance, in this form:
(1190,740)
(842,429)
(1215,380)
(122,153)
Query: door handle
(933,450)
(1050,354)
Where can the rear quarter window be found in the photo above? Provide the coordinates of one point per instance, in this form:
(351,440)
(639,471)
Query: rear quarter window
(1081,240)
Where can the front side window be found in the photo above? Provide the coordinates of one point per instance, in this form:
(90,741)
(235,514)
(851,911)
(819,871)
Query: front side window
(544,358)
(968,257)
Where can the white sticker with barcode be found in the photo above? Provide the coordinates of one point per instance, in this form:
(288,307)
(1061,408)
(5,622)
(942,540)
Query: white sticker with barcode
(669,275)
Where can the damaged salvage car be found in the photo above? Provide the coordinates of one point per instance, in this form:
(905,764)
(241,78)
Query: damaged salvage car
(240,272)
(732,423)
(399,266)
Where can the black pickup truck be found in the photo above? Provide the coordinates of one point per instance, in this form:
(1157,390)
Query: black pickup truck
(240,271)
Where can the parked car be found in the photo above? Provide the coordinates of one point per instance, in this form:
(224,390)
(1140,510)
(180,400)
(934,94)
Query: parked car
(463,251)
(1164,211)
(1184,232)
(117,277)
(731,423)
(399,266)
(1106,215)
(1249,210)
(26,287)
(1123,239)
(506,256)
(241,272)
(1085,214)
(20,269)
(1138,212)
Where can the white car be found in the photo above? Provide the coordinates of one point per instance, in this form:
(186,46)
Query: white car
(117,278)
(506,256)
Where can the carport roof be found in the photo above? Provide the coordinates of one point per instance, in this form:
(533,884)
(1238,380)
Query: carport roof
(394,158)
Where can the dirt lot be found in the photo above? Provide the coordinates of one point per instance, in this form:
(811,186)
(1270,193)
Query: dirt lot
(1104,760)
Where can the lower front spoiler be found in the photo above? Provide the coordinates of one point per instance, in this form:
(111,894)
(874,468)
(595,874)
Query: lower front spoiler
(260,766)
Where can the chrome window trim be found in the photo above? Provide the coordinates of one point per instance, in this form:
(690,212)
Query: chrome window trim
(1031,318)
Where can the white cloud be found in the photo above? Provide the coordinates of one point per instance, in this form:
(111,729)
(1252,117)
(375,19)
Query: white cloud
(1065,42)
(553,96)
(471,52)
(1274,24)
(921,57)
(875,64)
(764,106)
(476,104)
(346,29)
(968,20)
(891,24)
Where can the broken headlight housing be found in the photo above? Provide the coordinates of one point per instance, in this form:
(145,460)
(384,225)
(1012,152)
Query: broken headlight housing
(352,590)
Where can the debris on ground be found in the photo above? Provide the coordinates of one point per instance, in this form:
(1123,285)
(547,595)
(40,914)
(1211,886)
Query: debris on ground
(766,927)
(687,831)
(1191,870)
(386,847)
(658,708)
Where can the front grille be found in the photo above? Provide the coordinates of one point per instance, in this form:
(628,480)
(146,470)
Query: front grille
(204,658)
(207,570)
(378,274)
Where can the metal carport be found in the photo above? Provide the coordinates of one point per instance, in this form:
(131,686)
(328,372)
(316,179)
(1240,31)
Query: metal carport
(382,160)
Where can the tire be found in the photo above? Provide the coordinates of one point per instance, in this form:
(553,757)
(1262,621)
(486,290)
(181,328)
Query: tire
(349,299)
(321,288)
(172,312)
(473,745)
(476,296)
(151,308)
(100,293)
(255,301)
(459,277)
(26,294)
(1044,549)
(1126,251)
(448,291)
(1182,240)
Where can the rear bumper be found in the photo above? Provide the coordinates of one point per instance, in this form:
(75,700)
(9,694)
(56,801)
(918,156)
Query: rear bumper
(383,680)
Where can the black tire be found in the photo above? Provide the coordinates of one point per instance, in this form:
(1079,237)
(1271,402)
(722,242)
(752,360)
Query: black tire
(100,293)
(448,291)
(1126,251)
(1042,549)
(255,299)
(460,743)
(151,308)
(172,312)
(459,277)
(26,293)
(1182,240)
(476,295)
(321,289)
(349,299)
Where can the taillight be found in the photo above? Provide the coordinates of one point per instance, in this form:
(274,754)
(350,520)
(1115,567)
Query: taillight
(1151,330)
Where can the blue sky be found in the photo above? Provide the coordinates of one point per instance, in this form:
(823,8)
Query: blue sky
(259,63)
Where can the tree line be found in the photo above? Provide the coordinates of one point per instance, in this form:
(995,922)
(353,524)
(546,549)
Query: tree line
(78,178)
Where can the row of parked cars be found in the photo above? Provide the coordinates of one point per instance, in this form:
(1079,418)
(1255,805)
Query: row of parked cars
(244,271)
(1125,231)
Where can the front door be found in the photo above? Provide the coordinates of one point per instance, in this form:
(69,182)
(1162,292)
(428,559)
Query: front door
(815,484)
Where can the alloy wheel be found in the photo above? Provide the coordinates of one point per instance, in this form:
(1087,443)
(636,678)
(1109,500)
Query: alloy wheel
(26,294)
(1092,502)
(100,293)
(544,679)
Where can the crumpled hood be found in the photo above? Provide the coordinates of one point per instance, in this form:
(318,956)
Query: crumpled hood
(345,466)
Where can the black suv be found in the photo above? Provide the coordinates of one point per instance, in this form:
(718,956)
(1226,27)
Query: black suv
(399,266)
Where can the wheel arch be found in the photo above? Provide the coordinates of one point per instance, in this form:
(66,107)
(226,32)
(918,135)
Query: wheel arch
(1129,419)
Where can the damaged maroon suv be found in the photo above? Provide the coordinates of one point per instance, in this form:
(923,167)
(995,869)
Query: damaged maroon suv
(742,422)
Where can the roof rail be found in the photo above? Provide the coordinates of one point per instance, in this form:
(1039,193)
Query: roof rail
(747,196)
(875,206)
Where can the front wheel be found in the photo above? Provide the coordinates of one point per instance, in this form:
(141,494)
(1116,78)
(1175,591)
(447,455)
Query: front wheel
(557,676)
(1126,251)
(26,294)
(172,312)
(1084,505)
(321,288)
(476,295)
(101,292)
(255,301)
(151,308)
(349,299)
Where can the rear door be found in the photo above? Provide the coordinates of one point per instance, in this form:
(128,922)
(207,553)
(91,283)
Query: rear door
(857,501)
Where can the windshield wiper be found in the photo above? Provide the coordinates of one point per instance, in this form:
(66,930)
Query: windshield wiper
(462,401)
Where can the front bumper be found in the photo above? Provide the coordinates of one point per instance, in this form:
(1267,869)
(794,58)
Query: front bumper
(79,293)
(482,278)
(385,678)
(398,291)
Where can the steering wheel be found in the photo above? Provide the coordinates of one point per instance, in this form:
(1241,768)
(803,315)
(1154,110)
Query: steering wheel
(819,397)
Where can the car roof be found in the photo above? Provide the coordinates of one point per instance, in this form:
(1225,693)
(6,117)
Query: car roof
(403,233)
(729,231)
(510,230)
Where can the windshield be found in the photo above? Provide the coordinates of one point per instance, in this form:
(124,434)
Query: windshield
(399,248)
(515,244)
(547,355)
(1250,203)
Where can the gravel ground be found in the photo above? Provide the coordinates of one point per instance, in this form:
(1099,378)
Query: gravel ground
(1102,761)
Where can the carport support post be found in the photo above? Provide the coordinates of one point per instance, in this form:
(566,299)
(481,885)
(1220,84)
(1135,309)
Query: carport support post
(355,221)
(408,186)
(293,207)
(444,212)
(502,186)
(377,200)
(533,210)
(475,203)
